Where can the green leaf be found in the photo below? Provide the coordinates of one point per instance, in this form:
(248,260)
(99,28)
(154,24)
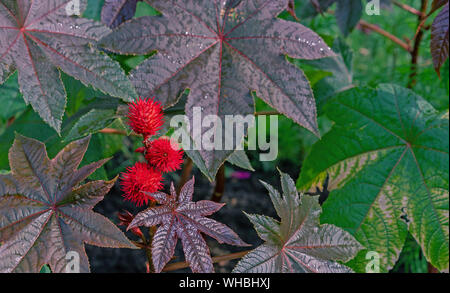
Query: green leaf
(341,69)
(95,120)
(94,9)
(239,158)
(31,125)
(10,98)
(388,166)
(45,270)
(297,244)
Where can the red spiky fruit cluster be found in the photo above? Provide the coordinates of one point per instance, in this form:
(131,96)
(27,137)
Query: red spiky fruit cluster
(146,117)
(163,155)
(139,180)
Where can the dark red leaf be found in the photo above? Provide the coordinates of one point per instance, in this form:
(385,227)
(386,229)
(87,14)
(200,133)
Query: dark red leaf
(45,214)
(213,48)
(180,218)
(38,38)
(439,39)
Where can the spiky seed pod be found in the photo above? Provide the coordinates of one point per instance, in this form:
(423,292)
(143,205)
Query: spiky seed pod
(164,154)
(146,117)
(138,179)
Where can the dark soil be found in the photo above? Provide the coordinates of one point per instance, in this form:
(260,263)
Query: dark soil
(240,195)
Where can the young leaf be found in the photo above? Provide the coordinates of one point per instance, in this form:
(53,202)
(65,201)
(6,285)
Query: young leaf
(39,38)
(45,214)
(439,39)
(95,120)
(179,217)
(239,158)
(388,166)
(348,14)
(341,68)
(297,244)
(115,12)
(214,48)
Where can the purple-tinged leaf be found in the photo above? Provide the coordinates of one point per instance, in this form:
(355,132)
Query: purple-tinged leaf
(164,243)
(297,244)
(214,229)
(44,213)
(196,251)
(160,197)
(180,218)
(39,38)
(115,12)
(187,191)
(153,216)
(439,39)
(213,47)
(204,207)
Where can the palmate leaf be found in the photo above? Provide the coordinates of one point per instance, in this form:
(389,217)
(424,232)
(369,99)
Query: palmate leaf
(179,217)
(297,244)
(45,214)
(388,165)
(439,36)
(213,47)
(39,38)
(115,12)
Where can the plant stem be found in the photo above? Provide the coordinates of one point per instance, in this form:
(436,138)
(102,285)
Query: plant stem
(432,269)
(10,121)
(220,185)
(216,259)
(185,174)
(417,41)
(408,8)
(267,113)
(386,34)
(116,131)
